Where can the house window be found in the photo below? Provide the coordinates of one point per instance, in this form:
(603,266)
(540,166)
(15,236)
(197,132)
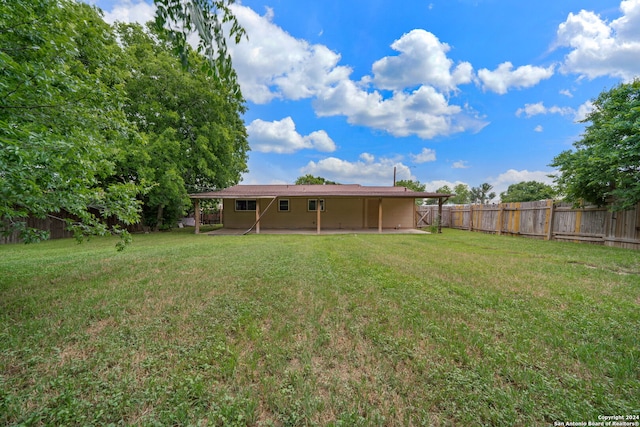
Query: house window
(245,205)
(312,204)
(283,205)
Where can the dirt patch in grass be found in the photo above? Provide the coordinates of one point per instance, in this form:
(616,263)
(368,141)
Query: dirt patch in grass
(73,354)
(96,328)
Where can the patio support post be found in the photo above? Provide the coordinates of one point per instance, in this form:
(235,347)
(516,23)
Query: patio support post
(197,215)
(380,215)
(258,216)
(439,215)
(318,216)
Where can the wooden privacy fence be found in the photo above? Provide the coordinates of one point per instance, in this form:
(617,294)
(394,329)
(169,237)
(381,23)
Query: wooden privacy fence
(55,225)
(545,219)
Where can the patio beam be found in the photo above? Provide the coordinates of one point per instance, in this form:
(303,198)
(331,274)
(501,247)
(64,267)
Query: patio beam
(257,216)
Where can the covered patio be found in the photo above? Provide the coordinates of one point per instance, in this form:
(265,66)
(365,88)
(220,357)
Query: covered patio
(316,209)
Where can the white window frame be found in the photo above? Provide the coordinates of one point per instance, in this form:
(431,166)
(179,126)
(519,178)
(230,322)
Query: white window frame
(315,201)
(280,205)
(247,205)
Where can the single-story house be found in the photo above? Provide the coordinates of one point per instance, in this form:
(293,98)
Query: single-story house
(351,206)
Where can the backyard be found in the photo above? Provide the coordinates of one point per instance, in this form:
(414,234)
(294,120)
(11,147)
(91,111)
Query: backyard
(456,328)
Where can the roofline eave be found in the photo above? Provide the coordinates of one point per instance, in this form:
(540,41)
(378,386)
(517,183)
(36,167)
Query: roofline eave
(215,195)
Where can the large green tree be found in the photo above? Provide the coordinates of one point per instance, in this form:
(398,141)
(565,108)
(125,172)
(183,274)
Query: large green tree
(605,164)
(313,180)
(462,195)
(527,191)
(412,185)
(445,189)
(196,137)
(61,122)
(482,194)
(214,23)
(70,139)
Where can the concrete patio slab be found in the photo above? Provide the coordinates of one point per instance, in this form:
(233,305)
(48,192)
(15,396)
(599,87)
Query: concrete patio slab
(239,232)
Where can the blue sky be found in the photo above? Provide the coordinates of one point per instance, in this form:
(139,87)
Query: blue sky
(445,91)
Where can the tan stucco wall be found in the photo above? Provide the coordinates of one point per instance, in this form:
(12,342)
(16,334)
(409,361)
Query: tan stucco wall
(395,212)
(398,213)
(339,213)
(233,219)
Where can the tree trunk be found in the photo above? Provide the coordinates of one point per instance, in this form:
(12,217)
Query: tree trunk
(159,218)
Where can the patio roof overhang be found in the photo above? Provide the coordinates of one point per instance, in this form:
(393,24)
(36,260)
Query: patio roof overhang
(345,191)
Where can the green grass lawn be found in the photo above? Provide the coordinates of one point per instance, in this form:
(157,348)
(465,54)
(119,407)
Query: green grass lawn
(453,329)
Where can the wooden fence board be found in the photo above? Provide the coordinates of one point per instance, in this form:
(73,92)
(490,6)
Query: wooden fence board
(547,220)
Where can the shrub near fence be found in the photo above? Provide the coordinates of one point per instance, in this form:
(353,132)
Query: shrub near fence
(544,219)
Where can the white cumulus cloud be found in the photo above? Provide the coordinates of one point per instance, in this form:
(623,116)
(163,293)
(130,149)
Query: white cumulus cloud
(601,48)
(424,112)
(280,136)
(273,64)
(460,164)
(583,110)
(426,155)
(422,61)
(367,157)
(130,11)
(530,110)
(368,170)
(505,77)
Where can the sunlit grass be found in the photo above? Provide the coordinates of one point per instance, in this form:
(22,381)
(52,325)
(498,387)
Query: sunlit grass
(453,329)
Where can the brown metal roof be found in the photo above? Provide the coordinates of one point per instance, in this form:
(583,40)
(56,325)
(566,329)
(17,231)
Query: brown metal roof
(348,190)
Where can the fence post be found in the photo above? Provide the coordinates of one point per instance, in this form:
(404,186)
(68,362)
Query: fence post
(578,224)
(549,219)
(516,226)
